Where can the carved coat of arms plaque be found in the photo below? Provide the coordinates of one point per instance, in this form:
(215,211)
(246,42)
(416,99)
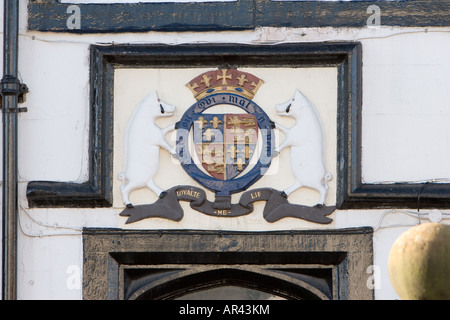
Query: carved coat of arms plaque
(225,142)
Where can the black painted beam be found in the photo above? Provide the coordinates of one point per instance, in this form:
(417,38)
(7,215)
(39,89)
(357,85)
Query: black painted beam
(51,15)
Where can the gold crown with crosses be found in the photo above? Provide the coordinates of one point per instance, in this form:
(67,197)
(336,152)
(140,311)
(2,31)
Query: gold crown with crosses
(225,81)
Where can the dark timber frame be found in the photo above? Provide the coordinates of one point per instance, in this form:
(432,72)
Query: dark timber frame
(51,15)
(345,56)
(146,264)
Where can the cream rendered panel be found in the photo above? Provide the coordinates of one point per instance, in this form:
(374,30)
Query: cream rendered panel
(280,84)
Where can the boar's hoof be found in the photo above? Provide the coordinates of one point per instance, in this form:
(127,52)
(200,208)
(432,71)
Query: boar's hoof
(162,194)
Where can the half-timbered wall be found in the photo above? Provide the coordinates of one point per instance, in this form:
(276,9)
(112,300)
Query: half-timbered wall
(377,72)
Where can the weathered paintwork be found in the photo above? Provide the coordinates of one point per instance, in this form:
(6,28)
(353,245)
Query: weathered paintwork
(50,15)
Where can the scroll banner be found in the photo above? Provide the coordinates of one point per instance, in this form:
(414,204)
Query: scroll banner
(277,206)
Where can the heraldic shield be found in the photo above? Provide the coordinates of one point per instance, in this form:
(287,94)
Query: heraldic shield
(225,143)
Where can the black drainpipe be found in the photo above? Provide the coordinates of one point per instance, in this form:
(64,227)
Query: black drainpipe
(12,93)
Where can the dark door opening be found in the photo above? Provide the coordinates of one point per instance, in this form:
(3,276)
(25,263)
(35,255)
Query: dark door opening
(218,282)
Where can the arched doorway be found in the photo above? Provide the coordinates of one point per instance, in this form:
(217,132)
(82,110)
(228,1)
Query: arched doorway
(246,282)
(166,265)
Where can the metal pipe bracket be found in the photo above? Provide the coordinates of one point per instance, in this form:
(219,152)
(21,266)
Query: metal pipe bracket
(11,85)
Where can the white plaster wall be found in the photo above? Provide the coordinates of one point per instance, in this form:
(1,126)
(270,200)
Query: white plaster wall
(405,137)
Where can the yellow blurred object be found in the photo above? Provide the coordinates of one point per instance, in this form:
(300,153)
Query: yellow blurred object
(419,263)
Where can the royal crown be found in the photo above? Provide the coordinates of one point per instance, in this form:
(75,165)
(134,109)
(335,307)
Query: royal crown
(225,81)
